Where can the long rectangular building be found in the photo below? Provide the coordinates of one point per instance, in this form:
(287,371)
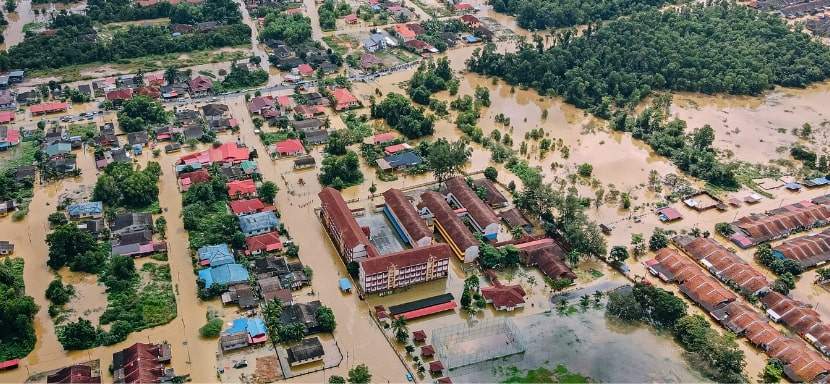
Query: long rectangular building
(781,222)
(346,234)
(483,217)
(379,273)
(808,251)
(725,265)
(801,363)
(405,219)
(401,269)
(460,239)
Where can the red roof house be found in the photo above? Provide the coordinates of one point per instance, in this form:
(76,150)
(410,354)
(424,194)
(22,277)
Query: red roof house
(382,138)
(44,108)
(290,147)
(154,79)
(225,153)
(427,351)
(305,70)
(120,94)
(246,206)
(463,7)
(350,19)
(392,149)
(238,189)
(75,374)
(187,179)
(260,103)
(200,85)
(344,99)
(266,242)
(504,298)
(6,117)
(404,32)
(471,21)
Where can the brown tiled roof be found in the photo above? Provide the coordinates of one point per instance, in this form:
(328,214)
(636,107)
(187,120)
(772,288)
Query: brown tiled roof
(406,258)
(794,314)
(332,202)
(77,373)
(801,363)
(782,221)
(492,196)
(741,317)
(514,218)
(406,214)
(478,210)
(456,229)
(140,363)
(504,296)
(679,266)
(808,250)
(706,292)
(548,256)
(727,265)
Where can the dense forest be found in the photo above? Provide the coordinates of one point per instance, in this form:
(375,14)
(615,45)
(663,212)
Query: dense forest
(293,29)
(711,49)
(108,11)
(76,42)
(542,14)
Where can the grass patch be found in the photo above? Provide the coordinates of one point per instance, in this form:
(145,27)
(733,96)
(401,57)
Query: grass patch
(334,43)
(23,154)
(85,130)
(269,138)
(560,374)
(148,63)
(33,26)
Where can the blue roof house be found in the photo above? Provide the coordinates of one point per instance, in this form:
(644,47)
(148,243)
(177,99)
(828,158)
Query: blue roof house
(227,274)
(93,209)
(58,149)
(253,326)
(215,255)
(258,223)
(400,160)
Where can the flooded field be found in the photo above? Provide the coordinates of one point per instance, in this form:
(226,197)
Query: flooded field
(590,344)
(760,129)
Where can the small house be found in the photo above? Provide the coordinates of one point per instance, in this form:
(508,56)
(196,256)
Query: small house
(307,351)
(200,86)
(6,248)
(215,255)
(258,223)
(226,275)
(303,162)
(290,147)
(91,209)
(344,99)
(400,160)
(241,189)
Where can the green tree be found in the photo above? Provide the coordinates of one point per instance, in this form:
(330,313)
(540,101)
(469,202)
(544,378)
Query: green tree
(638,244)
(58,293)
(57,219)
(773,371)
(400,328)
(447,159)
(334,379)
(658,240)
(267,191)
(212,328)
(78,335)
(325,318)
(140,112)
(66,244)
(360,374)
(618,255)
(161,227)
(491,173)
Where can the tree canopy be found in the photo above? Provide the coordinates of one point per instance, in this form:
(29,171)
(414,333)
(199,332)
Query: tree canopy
(400,114)
(293,29)
(140,112)
(17,311)
(447,159)
(122,186)
(717,48)
(543,14)
(341,171)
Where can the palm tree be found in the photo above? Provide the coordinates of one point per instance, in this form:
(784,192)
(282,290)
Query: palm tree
(400,329)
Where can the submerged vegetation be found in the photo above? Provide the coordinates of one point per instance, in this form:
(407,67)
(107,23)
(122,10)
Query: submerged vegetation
(17,312)
(691,152)
(717,48)
(717,356)
(560,374)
